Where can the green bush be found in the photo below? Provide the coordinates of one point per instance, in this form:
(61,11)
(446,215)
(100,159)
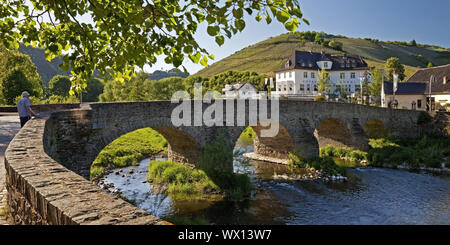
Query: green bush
(180,178)
(354,155)
(324,163)
(217,156)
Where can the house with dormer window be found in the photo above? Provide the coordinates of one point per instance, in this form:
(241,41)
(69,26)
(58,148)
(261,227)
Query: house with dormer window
(298,76)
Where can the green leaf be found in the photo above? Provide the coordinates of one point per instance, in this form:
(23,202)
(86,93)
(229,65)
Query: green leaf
(258,18)
(204,61)
(213,30)
(240,24)
(292,24)
(297,12)
(282,16)
(306,21)
(228,33)
(268,19)
(238,13)
(195,58)
(220,40)
(53,48)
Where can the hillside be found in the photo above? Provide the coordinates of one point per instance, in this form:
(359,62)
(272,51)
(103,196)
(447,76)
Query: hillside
(46,69)
(269,55)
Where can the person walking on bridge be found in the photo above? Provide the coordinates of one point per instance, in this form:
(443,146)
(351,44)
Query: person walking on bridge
(24,109)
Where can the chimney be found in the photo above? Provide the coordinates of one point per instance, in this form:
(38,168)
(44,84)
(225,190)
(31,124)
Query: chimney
(444,80)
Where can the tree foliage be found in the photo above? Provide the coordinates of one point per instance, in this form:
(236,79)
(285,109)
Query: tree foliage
(93,90)
(393,65)
(59,85)
(324,81)
(13,84)
(122,35)
(12,60)
(139,88)
(218,82)
(376,85)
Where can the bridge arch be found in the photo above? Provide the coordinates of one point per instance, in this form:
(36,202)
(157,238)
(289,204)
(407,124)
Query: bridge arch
(333,131)
(375,128)
(290,138)
(341,132)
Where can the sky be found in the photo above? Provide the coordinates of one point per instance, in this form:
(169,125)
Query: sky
(426,21)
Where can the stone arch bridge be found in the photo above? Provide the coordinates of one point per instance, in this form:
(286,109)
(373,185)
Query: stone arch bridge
(47,163)
(79,135)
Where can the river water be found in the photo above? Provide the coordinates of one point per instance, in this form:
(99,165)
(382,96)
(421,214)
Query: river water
(369,196)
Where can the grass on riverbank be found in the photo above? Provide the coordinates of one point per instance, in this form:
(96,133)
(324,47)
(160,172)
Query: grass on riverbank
(128,150)
(415,153)
(180,178)
(323,164)
(187,183)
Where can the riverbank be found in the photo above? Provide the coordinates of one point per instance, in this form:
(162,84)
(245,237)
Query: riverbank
(430,154)
(310,173)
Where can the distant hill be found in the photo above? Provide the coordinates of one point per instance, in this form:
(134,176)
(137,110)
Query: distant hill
(46,69)
(267,56)
(158,75)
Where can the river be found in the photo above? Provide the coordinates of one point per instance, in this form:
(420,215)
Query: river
(370,196)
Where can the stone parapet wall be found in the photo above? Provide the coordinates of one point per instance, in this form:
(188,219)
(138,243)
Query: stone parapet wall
(42,108)
(42,191)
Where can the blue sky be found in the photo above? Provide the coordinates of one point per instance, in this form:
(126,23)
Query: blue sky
(426,21)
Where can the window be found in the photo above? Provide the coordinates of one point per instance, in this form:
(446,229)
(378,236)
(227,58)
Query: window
(307,87)
(302,87)
(315,88)
(342,75)
(357,88)
(419,103)
(325,64)
(303,64)
(310,64)
(290,74)
(305,74)
(313,75)
(353,75)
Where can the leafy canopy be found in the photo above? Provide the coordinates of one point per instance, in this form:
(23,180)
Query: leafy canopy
(393,65)
(13,85)
(12,60)
(123,34)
